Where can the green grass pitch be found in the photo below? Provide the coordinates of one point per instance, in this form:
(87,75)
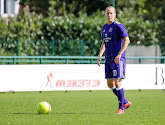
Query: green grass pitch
(82,108)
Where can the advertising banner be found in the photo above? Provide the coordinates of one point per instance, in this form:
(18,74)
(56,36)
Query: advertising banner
(57,77)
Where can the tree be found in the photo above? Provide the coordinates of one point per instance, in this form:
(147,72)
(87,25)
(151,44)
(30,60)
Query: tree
(66,6)
(152,9)
(70,20)
(39,6)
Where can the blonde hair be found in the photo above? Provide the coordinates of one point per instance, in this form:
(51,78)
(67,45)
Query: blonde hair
(113,9)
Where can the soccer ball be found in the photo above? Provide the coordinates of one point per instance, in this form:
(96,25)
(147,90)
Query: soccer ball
(44,108)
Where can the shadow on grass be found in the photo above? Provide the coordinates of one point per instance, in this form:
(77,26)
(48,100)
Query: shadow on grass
(62,113)
(89,113)
(19,113)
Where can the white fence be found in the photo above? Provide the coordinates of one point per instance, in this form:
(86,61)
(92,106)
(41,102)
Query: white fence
(77,77)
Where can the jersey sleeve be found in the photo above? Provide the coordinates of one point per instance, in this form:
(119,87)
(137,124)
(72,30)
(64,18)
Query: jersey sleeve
(122,31)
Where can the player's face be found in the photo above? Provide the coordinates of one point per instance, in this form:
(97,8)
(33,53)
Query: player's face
(110,15)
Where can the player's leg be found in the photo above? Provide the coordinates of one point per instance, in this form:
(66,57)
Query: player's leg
(119,74)
(110,72)
(120,93)
(109,77)
(121,98)
(111,85)
(122,67)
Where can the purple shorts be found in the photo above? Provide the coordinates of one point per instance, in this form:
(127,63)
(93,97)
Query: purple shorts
(113,70)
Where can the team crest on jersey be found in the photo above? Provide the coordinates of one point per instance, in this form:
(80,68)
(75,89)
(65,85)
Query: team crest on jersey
(110,29)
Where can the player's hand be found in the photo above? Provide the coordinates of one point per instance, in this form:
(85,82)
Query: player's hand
(117,59)
(98,61)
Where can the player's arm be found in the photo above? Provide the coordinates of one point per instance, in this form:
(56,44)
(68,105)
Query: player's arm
(124,47)
(125,44)
(102,49)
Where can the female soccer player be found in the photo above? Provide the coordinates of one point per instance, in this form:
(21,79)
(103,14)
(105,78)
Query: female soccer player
(115,41)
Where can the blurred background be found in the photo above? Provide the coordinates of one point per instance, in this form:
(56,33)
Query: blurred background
(73,28)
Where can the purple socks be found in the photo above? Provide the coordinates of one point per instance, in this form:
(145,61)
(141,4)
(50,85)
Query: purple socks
(119,92)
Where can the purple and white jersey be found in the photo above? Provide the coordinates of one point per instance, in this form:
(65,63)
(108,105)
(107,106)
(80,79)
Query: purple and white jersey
(113,35)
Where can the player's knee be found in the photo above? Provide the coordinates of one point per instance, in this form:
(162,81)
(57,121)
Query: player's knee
(110,83)
(117,82)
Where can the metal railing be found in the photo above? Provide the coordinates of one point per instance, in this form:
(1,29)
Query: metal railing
(63,59)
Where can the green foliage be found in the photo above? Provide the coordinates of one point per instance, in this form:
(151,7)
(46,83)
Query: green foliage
(161,30)
(68,27)
(25,27)
(35,33)
(141,32)
(39,6)
(153,9)
(63,7)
